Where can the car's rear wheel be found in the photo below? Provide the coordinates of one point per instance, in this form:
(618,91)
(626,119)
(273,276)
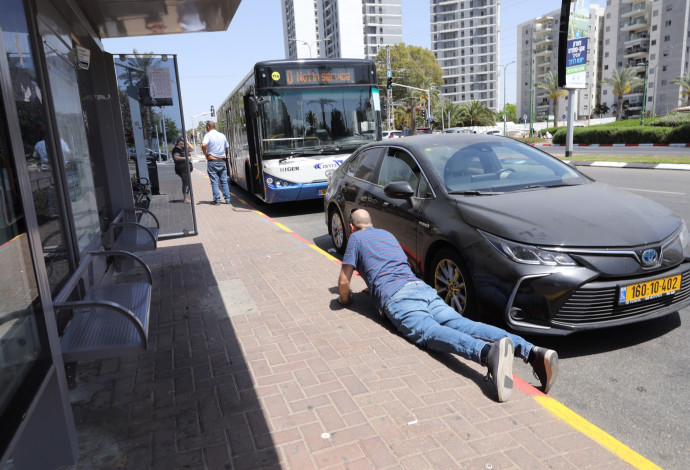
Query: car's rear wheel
(451,279)
(337,229)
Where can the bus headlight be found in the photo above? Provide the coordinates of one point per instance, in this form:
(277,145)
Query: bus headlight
(269,180)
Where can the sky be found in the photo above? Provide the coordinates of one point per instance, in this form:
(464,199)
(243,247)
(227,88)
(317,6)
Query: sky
(211,65)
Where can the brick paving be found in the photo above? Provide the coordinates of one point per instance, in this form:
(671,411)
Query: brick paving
(252,364)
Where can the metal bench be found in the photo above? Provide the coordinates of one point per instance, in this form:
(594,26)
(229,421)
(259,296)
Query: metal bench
(111,318)
(128,234)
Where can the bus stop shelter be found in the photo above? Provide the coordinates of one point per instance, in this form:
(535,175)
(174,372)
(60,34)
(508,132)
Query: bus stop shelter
(77,127)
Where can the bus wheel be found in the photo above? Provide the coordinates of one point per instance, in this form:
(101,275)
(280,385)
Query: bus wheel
(337,229)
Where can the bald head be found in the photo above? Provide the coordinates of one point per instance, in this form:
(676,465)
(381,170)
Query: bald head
(361,219)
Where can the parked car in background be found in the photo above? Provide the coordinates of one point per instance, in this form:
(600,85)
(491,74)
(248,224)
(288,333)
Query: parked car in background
(492,132)
(420,130)
(391,134)
(457,130)
(501,228)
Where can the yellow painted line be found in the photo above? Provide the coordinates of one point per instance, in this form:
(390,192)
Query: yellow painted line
(325,253)
(282,226)
(596,434)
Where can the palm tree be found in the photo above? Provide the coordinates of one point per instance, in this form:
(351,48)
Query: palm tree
(622,81)
(476,114)
(684,83)
(550,84)
(601,108)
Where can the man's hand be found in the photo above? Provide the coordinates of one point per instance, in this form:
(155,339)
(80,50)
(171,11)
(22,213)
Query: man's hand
(346,301)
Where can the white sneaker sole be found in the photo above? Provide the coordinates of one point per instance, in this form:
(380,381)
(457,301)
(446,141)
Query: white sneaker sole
(551,365)
(504,374)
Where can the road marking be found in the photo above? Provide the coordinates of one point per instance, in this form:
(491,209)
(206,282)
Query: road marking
(654,191)
(550,404)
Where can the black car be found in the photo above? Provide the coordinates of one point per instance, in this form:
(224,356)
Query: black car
(499,227)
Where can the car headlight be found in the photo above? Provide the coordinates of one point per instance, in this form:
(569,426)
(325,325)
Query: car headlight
(684,238)
(528,254)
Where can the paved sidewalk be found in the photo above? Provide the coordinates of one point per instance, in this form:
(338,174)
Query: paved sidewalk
(252,364)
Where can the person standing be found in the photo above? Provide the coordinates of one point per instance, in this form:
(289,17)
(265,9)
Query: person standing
(425,319)
(180,157)
(215,147)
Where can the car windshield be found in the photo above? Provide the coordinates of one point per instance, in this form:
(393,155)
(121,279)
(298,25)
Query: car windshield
(498,166)
(312,121)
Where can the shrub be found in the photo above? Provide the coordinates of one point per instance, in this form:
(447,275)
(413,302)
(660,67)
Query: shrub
(672,120)
(679,135)
(606,134)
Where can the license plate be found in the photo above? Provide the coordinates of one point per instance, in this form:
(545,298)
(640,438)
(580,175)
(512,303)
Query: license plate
(649,290)
(322,192)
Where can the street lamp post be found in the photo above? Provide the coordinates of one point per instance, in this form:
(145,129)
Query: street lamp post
(194,128)
(504,95)
(309,44)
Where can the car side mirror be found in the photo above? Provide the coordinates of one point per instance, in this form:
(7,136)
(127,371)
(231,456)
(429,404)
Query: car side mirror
(398,190)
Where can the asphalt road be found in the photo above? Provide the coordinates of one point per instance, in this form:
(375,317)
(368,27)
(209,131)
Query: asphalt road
(632,381)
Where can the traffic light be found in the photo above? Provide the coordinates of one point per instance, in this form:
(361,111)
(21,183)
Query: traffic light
(389,83)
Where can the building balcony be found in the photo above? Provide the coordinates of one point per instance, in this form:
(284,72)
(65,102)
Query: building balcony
(543,40)
(637,24)
(543,20)
(633,11)
(636,53)
(543,51)
(637,40)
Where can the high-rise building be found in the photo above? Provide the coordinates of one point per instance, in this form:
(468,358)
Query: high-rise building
(464,39)
(537,56)
(340,28)
(653,38)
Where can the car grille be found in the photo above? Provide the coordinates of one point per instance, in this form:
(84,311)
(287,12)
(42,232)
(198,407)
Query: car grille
(593,305)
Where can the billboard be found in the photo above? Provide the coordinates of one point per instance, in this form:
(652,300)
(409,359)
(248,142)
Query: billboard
(572,44)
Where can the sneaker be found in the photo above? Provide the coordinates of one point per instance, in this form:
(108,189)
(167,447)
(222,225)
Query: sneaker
(227,202)
(500,364)
(545,365)
(216,203)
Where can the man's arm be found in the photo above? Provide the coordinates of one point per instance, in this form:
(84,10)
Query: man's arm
(203,150)
(344,284)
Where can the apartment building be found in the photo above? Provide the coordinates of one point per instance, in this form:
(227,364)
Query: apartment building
(537,55)
(340,28)
(464,39)
(652,37)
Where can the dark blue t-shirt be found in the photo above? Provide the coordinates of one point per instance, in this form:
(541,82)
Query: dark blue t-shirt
(381,262)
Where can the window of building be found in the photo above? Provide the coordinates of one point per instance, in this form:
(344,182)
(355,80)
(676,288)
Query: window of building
(655,13)
(668,23)
(667,38)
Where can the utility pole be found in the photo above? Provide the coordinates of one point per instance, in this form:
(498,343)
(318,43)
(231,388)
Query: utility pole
(531,87)
(644,93)
(504,95)
(389,91)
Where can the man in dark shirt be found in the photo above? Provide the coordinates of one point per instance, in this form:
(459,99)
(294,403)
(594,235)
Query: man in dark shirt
(425,319)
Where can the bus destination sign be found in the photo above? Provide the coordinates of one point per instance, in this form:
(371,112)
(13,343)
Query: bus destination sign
(293,76)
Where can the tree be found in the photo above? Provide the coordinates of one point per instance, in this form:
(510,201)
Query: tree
(601,108)
(550,84)
(475,113)
(510,111)
(448,114)
(622,81)
(410,65)
(684,83)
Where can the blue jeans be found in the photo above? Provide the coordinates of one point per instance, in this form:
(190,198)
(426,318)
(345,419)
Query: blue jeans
(217,171)
(425,319)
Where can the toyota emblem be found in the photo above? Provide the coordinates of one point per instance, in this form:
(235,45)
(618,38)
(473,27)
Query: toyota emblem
(650,257)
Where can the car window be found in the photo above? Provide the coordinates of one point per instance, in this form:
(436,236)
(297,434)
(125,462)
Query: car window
(366,164)
(498,165)
(398,165)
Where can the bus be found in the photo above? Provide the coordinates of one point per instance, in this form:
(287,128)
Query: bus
(289,123)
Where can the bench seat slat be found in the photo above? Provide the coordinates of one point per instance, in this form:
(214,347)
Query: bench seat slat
(100,332)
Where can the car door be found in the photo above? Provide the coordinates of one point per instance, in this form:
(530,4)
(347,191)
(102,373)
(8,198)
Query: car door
(401,217)
(359,181)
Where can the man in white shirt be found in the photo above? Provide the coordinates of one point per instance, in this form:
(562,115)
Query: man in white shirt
(215,147)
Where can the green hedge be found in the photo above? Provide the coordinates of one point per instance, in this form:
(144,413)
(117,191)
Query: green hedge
(606,134)
(672,120)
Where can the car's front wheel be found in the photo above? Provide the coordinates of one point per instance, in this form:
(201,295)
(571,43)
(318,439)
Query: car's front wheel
(451,279)
(337,229)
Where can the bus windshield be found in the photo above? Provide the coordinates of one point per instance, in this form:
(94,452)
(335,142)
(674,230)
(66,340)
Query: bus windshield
(313,121)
